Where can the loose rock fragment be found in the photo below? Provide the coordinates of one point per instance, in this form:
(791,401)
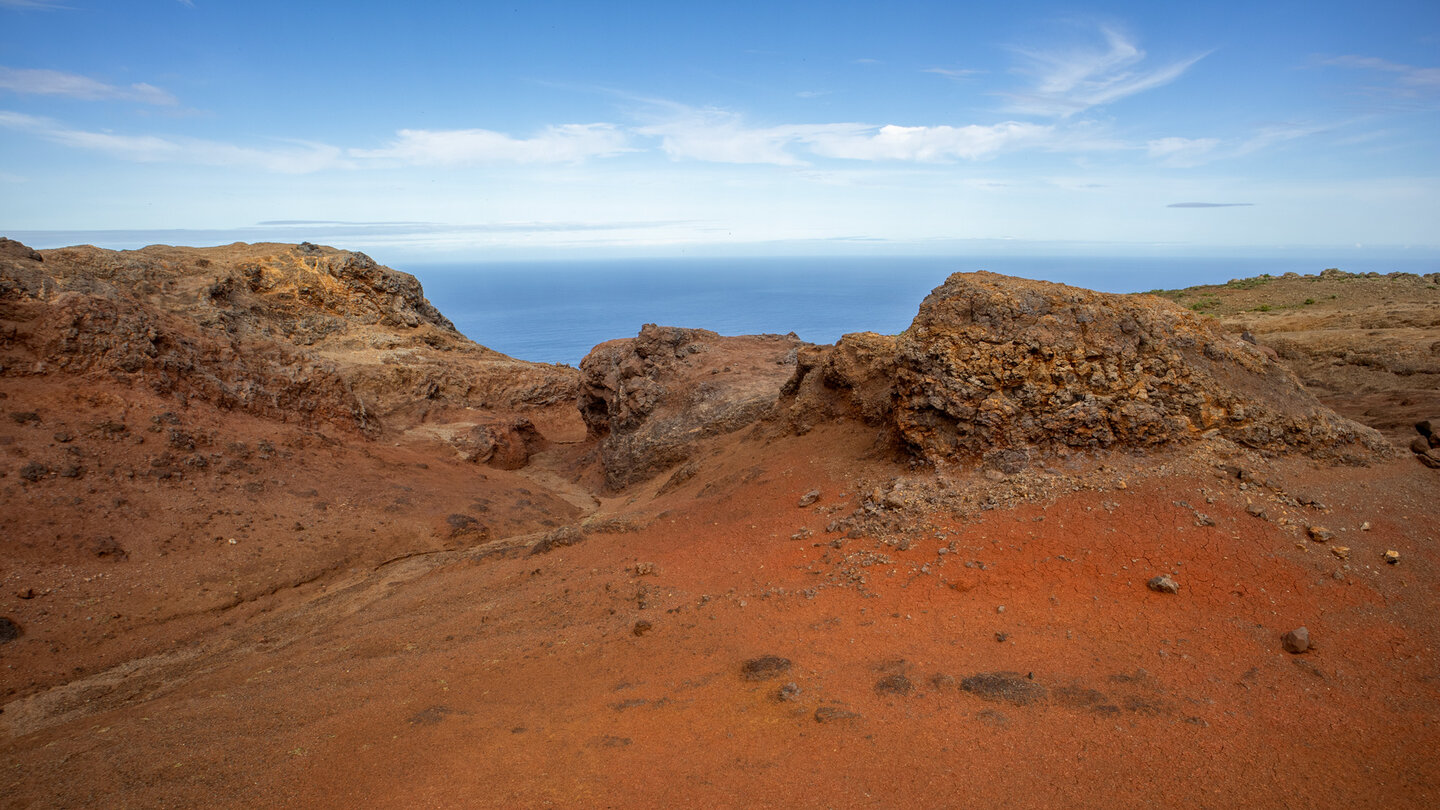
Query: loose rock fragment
(1343,552)
(1163,584)
(1256,510)
(810,497)
(642,627)
(764,667)
(1296,641)
(9,630)
(1319,534)
(1392,556)
(1008,687)
(894,685)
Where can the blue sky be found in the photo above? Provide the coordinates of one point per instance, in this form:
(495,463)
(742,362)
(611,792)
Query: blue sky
(461,129)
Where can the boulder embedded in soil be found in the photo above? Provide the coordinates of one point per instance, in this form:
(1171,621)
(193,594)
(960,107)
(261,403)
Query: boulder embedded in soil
(1163,584)
(1296,641)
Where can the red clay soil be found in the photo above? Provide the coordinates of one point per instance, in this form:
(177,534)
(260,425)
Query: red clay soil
(507,679)
(422,594)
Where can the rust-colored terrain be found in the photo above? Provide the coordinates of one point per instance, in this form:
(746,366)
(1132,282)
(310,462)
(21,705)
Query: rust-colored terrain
(275,534)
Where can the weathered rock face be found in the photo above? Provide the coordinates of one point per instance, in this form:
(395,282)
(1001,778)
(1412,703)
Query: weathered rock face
(1006,370)
(854,378)
(651,397)
(297,332)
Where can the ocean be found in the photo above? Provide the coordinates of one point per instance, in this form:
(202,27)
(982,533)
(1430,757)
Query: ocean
(556,311)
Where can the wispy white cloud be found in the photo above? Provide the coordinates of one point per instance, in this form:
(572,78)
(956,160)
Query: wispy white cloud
(1072,81)
(721,136)
(718,136)
(1188,152)
(566,143)
(71,85)
(35,4)
(294,158)
(1420,79)
(1275,134)
(923,144)
(1405,87)
(1182,152)
(958,74)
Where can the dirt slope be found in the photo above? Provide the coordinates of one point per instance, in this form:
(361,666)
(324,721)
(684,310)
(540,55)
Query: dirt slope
(801,610)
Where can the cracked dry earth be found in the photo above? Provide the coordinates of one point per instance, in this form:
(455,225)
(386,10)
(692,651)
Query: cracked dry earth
(1009,656)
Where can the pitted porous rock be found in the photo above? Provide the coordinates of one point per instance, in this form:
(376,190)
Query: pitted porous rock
(304,333)
(651,397)
(994,364)
(1010,370)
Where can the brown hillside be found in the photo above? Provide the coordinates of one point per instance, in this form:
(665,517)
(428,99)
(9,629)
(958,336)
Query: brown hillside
(1044,548)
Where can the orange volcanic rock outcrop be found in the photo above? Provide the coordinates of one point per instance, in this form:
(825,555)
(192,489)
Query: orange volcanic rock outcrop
(650,399)
(1007,371)
(294,332)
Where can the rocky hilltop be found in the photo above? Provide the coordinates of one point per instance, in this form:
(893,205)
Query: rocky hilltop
(1005,371)
(295,332)
(275,534)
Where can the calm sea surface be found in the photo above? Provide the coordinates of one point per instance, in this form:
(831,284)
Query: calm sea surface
(555,312)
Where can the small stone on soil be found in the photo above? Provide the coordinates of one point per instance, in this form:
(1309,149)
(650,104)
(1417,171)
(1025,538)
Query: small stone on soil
(9,630)
(1319,534)
(765,667)
(1392,556)
(1010,687)
(1296,641)
(810,497)
(1163,584)
(788,692)
(894,685)
(642,627)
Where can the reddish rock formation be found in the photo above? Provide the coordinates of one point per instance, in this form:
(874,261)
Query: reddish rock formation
(1008,370)
(385,623)
(650,398)
(300,333)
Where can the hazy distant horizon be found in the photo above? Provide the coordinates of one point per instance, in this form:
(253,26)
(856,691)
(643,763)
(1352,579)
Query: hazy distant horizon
(540,130)
(393,246)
